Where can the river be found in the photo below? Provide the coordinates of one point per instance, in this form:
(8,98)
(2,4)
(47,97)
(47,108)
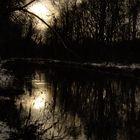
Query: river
(56,102)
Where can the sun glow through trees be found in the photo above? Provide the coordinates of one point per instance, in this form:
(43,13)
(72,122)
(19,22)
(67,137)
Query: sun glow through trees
(39,9)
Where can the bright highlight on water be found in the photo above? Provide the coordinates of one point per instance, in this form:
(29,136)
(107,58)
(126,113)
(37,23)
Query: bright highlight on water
(39,102)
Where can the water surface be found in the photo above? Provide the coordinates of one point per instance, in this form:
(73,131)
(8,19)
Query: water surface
(40,102)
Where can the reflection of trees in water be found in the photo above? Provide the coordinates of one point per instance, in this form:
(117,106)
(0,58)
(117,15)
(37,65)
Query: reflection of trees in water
(41,123)
(53,126)
(108,108)
(101,108)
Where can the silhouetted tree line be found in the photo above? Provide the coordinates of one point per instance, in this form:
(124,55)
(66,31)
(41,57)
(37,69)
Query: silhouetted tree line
(16,30)
(98,30)
(100,20)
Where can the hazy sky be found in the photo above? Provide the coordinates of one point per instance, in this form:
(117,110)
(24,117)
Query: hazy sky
(45,10)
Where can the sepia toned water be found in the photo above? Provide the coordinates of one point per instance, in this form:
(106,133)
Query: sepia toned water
(64,103)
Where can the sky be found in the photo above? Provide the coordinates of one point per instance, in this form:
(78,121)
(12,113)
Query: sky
(45,10)
(42,8)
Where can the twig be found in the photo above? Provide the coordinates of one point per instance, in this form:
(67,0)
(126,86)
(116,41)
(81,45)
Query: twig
(43,21)
(42,133)
(22,7)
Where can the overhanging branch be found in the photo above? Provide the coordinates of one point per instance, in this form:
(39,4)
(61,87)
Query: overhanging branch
(43,21)
(24,9)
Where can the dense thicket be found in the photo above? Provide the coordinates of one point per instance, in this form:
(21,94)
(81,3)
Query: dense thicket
(99,30)
(104,30)
(12,43)
(100,20)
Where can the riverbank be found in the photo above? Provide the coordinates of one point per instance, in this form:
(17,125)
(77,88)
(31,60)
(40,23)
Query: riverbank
(118,69)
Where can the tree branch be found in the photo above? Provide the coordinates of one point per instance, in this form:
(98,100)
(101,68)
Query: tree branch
(43,21)
(22,7)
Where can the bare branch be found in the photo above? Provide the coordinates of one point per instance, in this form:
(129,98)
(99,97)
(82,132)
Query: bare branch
(22,7)
(43,21)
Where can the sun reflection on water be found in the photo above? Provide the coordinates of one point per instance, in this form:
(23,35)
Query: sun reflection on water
(37,96)
(37,108)
(39,102)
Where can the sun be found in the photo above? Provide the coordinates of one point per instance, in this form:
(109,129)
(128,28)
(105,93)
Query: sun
(39,9)
(45,11)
